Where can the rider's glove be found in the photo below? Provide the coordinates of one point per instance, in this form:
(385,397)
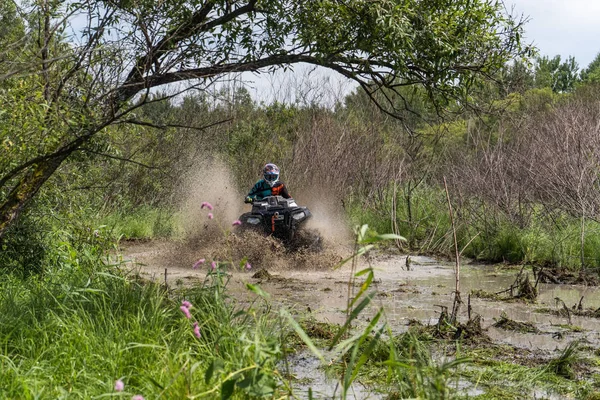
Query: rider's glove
(248,200)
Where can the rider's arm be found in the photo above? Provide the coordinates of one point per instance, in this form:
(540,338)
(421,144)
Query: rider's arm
(284,192)
(255,190)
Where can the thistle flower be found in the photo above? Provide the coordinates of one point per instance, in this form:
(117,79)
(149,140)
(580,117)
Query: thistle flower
(213,265)
(197,330)
(210,216)
(207,205)
(197,263)
(236,222)
(186,312)
(119,385)
(137,397)
(186,304)
(248,266)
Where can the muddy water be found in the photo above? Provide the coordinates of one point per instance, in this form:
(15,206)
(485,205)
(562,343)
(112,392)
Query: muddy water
(421,292)
(415,294)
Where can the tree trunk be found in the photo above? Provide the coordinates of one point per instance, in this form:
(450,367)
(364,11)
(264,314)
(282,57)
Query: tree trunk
(25,189)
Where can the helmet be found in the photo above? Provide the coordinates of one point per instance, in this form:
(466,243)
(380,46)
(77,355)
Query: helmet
(271,174)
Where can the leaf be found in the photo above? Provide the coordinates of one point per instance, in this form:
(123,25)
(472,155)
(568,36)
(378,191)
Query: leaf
(367,352)
(364,271)
(155,383)
(362,232)
(365,302)
(363,288)
(227,389)
(391,236)
(302,335)
(256,289)
(215,366)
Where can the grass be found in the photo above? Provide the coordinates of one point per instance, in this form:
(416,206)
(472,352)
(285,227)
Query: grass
(73,333)
(485,233)
(504,372)
(142,223)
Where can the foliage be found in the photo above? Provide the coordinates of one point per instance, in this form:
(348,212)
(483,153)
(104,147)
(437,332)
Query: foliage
(560,77)
(76,330)
(77,91)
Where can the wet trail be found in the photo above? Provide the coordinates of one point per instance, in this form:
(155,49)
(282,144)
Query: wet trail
(415,294)
(406,295)
(418,294)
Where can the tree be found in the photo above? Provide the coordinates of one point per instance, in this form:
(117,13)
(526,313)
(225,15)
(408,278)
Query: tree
(591,74)
(560,77)
(82,84)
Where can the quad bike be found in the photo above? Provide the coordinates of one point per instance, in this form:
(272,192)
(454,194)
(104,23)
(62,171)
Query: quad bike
(283,219)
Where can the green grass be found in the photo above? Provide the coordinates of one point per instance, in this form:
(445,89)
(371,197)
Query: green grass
(141,223)
(485,233)
(501,378)
(72,332)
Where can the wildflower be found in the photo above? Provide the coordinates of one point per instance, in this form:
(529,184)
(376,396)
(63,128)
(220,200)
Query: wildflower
(197,330)
(236,222)
(186,304)
(213,265)
(119,385)
(210,216)
(197,263)
(137,397)
(248,266)
(207,205)
(186,312)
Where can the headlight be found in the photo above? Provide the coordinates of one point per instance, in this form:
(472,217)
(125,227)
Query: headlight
(253,220)
(299,215)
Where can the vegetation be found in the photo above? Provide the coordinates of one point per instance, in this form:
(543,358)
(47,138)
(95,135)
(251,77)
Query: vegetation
(83,325)
(104,126)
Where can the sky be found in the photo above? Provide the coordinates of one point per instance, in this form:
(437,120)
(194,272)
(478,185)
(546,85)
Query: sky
(554,27)
(563,27)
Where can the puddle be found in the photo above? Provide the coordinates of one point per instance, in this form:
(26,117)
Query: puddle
(416,294)
(308,373)
(406,295)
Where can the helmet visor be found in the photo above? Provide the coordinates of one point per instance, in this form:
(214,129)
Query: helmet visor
(271,177)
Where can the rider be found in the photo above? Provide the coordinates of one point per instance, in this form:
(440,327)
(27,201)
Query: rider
(269,186)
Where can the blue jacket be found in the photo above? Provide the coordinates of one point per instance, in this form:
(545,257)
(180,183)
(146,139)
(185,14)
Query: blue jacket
(262,189)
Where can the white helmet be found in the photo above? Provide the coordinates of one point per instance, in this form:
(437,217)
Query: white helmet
(271,174)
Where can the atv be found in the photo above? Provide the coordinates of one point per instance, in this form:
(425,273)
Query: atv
(281,218)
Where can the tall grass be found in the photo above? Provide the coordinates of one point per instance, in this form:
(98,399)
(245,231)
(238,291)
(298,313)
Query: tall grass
(484,232)
(74,331)
(402,366)
(144,222)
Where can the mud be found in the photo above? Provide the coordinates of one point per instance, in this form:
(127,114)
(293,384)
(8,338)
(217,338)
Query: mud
(309,285)
(557,276)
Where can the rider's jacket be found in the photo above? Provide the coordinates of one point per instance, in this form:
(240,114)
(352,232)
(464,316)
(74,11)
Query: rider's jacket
(262,189)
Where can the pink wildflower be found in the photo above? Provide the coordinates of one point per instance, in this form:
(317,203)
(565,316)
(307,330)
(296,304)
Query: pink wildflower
(213,265)
(137,397)
(210,216)
(248,265)
(207,205)
(197,263)
(236,222)
(119,385)
(186,304)
(197,330)
(186,312)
